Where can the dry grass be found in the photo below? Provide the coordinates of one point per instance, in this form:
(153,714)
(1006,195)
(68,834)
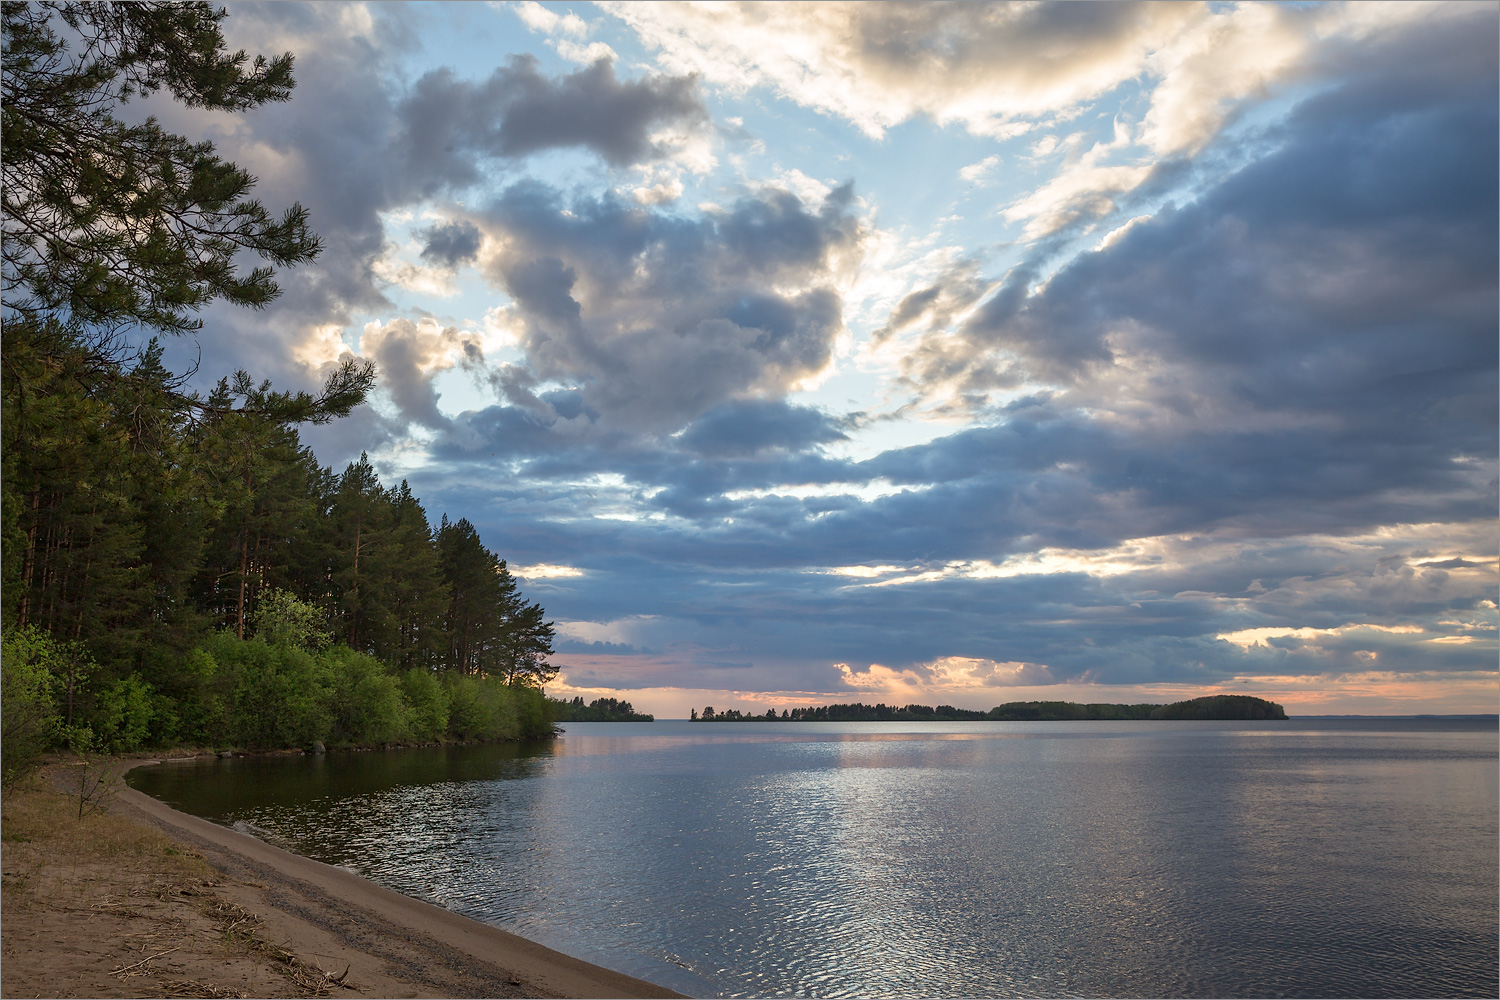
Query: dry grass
(113,907)
(34,813)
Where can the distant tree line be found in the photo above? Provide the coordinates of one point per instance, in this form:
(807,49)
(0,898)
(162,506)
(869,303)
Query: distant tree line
(600,710)
(1217,707)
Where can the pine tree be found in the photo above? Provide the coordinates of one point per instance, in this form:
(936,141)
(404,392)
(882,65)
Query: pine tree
(417,593)
(111,227)
(109,223)
(476,592)
(526,642)
(361,523)
(260,483)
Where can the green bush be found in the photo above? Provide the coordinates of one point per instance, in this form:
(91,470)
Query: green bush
(469,716)
(29,723)
(536,714)
(279,693)
(500,701)
(121,715)
(481,708)
(281,619)
(206,706)
(166,725)
(365,704)
(427,701)
(250,693)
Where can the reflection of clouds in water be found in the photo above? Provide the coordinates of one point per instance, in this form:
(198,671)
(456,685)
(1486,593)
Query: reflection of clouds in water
(988,859)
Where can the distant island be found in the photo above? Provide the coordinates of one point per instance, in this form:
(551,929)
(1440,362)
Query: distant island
(599,710)
(1217,707)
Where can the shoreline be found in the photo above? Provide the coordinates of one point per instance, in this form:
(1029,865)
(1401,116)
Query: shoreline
(309,916)
(434,946)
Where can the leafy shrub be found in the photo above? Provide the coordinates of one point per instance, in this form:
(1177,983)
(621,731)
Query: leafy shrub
(536,715)
(121,715)
(500,700)
(427,702)
(29,721)
(469,717)
(481,708)
(282,619)
(279,693)
(205,707)
(364,703)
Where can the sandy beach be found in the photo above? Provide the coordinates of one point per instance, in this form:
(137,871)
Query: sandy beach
(148,901)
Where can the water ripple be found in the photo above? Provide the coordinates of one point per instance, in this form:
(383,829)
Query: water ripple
(1107,860)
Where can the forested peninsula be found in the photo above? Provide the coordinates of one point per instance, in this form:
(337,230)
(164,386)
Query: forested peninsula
(177,567)
(1215,707)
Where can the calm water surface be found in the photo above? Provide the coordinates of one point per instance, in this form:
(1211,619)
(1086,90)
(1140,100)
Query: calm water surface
(1313,857)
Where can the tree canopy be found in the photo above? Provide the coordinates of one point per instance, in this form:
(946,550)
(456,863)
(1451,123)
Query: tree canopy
(108,222)
(114,226)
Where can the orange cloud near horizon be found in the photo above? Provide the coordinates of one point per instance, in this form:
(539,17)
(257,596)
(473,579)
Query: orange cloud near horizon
(1369,693)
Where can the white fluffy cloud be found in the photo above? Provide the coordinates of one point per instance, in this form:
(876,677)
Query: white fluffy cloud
(1001,69)
(877,65)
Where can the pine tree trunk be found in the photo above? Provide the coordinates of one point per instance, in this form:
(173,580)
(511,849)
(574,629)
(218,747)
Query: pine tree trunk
(28,564)
(354,616)
(244,556)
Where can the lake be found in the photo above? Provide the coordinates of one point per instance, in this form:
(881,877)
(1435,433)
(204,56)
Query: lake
(1311,857)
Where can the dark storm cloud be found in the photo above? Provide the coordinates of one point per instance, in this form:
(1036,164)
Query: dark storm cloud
(517,111)
(450,244)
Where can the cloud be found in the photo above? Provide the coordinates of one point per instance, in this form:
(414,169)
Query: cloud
(1078,193)
(1221,59)
(877,65)
(407,354)
(1349,268)
(952,292)
(1201,79)
(517,111)
(656,319)
(963,672)
(451,243)
(975,173)
(1000,70)
(749,427)
(539,18)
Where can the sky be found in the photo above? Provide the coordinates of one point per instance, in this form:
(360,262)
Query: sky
(940,353)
